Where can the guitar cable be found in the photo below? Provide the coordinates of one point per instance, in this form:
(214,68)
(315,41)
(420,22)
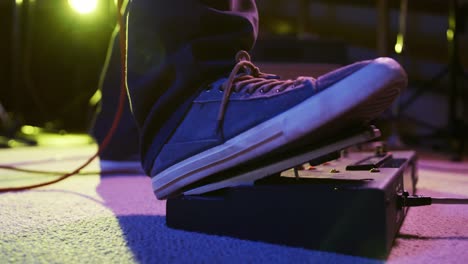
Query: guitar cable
(115,122)
(404,200)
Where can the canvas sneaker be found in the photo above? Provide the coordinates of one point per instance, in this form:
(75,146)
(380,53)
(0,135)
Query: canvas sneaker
(249,115)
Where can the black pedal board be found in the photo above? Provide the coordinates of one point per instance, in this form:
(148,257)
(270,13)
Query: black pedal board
(324,207)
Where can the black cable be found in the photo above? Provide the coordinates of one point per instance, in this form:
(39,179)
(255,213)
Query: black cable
(449,201)
(406,200)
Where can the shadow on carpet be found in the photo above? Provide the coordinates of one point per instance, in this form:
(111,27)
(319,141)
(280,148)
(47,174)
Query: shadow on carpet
(142,220)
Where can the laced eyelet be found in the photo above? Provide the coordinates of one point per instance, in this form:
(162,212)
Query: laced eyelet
(249,82)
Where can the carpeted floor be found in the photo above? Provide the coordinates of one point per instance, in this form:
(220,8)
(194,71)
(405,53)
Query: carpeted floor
(116,219)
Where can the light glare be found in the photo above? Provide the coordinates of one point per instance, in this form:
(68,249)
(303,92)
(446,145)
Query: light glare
(399,44)
(398,48)
(83,6)
(450,34)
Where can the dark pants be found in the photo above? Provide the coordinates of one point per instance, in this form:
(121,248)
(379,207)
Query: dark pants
(174,48)
(124,144)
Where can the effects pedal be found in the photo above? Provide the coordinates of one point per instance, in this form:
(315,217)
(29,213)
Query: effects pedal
(347,205)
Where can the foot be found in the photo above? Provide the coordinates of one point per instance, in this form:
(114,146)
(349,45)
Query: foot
(250,115)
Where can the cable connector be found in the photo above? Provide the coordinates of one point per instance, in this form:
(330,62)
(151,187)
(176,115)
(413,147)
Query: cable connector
(407,200)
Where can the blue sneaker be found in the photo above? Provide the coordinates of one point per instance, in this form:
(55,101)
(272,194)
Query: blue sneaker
(250,115)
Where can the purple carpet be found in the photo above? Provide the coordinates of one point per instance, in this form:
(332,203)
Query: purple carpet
(116,219)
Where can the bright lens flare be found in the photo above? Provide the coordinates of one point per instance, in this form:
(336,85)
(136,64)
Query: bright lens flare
(399,44)
(83,6)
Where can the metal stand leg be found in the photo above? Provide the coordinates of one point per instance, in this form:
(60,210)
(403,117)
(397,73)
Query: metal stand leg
(455,131)
(394,140)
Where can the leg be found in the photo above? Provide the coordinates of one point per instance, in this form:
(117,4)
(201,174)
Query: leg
(127,131)
(173,48)
(205,116)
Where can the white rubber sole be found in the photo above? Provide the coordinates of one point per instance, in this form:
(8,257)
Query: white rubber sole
(361,96)
(248,178)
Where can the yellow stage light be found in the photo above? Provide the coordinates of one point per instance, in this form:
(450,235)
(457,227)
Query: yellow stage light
(83,6)
(450,34)
(399,44)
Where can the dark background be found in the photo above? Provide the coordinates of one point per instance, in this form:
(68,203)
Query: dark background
(59,53)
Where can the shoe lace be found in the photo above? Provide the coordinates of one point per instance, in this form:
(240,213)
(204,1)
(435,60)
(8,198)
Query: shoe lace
(251,80)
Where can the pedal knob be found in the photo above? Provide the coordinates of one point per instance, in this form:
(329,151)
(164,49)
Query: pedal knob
(381,150)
